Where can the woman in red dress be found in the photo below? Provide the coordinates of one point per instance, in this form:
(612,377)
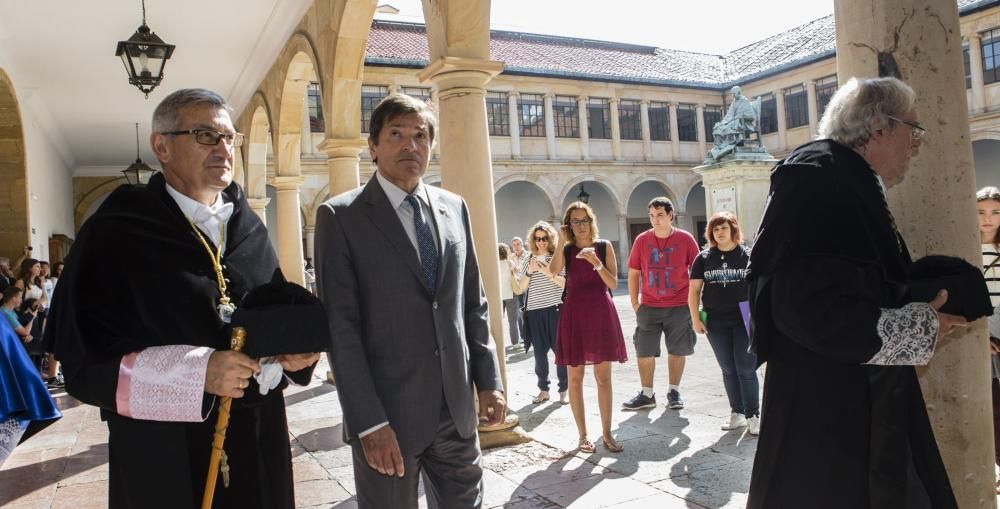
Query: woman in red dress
(589,331)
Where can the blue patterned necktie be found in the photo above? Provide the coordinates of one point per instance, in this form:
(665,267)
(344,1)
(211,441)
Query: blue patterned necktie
(425,244)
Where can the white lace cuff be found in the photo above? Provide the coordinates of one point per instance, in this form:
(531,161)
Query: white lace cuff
(163,383)
(909,335)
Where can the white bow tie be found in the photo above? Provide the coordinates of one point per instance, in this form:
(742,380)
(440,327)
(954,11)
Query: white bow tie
(203,214)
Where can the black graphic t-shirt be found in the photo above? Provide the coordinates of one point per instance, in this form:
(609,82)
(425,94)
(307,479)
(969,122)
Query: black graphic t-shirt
(724,274)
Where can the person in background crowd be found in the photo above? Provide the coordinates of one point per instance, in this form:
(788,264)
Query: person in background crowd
(718,278)
(57,270)
(28,279)
(845,423)
(508,275)
(518,257)
(9,307)
(6,276)
(541,313)
(658,269)
(589,330)
(988,210)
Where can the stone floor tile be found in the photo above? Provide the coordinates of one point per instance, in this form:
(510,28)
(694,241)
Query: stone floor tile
(659,501)
(308,469)
(91,495)
(500,491)
(725,486)
(319,491)
(560,471)
(596,491)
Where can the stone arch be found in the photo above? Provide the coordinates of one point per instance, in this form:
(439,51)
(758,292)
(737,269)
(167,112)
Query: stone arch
(342,95)
(14,214)
(299,66)
(519,203)
(616,199)
(259,137)
(667,188)
(975,136)
(85,205)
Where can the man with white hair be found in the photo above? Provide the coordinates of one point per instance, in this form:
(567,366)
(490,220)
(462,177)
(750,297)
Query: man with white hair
(844,422)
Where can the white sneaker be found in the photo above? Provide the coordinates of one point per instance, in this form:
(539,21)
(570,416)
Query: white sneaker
(736,421)
(563,398)
(753,425)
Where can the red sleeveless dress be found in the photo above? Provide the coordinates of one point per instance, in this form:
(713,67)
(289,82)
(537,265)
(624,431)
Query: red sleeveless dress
(589,330)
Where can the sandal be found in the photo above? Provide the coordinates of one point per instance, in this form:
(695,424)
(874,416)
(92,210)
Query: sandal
(586,446)
(612,445)
(541,398)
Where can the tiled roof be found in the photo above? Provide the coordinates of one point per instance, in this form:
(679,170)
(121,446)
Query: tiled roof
(399,44)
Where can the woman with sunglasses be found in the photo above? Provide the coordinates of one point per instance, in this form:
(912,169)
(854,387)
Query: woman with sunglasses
(589,329)
(541,310)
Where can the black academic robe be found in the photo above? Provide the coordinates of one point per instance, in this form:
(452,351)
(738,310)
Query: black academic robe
(138,277)
(835,432)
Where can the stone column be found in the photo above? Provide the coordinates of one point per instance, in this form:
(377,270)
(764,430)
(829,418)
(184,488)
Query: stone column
(466,167)
(343,163)
(306,139)
(436,99)
(514,114)
(581,106)
(700,113)
(259,207)
(779,101)
(976,70)
(550,126)
(393,88)
(935,209)
(616,130)
(647,142)
(290,228)
(309,231)
(810,86)
(675,139)
(626,246)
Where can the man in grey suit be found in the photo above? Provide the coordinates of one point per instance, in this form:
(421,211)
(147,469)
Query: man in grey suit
(398,274)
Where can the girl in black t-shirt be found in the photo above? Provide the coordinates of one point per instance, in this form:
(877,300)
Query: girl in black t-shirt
(718,279)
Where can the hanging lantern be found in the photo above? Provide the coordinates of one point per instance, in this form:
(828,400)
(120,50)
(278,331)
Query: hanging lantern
(144,56)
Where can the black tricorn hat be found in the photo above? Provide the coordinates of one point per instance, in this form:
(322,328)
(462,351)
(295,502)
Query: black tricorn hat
(967,293)
(282,318)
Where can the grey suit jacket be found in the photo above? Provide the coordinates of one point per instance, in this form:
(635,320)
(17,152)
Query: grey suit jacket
(396,349)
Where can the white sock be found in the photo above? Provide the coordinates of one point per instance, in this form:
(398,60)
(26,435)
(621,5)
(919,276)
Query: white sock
(647,391)
(675,387)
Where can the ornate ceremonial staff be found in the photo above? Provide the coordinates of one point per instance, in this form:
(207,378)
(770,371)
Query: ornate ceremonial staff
(218,454)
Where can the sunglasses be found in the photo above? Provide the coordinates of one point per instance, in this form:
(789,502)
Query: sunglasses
(541,239)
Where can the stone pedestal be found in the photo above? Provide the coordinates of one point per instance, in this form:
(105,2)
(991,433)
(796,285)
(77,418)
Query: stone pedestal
(466,167)
(919,42)
(738,186)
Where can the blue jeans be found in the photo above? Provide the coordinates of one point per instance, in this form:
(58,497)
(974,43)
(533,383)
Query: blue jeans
(542,325)
(731,345)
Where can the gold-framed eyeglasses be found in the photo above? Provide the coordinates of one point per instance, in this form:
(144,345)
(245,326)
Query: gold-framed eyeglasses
(211,137)
(579,222)
(917,131)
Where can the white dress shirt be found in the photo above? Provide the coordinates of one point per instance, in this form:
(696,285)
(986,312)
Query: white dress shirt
(212,221)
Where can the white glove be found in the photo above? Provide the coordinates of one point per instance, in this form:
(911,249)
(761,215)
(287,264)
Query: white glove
(269,377)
